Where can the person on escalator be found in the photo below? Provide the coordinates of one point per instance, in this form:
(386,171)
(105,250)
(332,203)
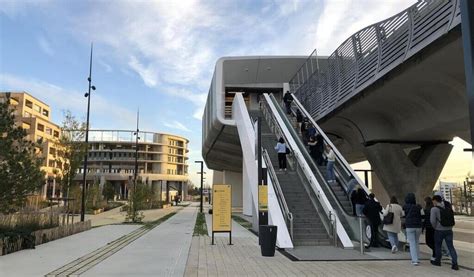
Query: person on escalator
(281,150)
(299,117)
(288,99)
(311,131)
(304,129)
(372,210)
(319,150)
(360,199)
(396,226)
(413,222)
(331,156)
(312,147)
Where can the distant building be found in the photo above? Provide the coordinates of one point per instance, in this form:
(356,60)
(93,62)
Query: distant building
(162,161)
(448,190)
(34,116)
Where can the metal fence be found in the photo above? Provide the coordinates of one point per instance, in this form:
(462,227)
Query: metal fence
(370,53)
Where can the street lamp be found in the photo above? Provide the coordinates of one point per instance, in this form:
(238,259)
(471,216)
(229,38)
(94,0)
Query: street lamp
(135,174)
(202,180)
(88,95)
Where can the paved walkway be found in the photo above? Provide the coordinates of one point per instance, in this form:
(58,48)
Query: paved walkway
(49,256)
(161,252)
(243,258)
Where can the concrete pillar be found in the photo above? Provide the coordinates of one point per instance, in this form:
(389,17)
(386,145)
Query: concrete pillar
(235,180)
(401,173)
(53,192)
(380,192)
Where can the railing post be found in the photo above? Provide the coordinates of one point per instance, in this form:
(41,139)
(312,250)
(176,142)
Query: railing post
(361,236)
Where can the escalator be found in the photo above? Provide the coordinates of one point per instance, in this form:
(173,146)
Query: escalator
(309,226)
(338,192)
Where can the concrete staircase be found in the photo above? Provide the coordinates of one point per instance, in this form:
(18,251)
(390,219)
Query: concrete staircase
(307,226)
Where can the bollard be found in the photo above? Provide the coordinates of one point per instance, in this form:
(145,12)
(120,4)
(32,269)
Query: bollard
(361,236)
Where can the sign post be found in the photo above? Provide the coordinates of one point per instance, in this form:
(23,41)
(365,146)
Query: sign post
(222,210)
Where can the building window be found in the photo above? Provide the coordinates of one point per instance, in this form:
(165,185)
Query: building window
(56,134)
(39,139)
(29,104)
(36,108)
(51,163)
(49,131)
(45,112)
(26,125)
(40,127)
(52,151)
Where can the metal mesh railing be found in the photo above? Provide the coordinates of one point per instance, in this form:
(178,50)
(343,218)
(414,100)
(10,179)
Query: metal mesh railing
(370,53)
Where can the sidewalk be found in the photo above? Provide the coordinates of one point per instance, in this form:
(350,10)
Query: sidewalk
(163,251)
(49,256)
(243,258)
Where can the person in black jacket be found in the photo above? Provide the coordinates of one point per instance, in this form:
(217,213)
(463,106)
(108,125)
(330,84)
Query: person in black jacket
(288,99)
(427,228)
(372,210)
(319,150)
(299,117)
(413,222)
(360,199)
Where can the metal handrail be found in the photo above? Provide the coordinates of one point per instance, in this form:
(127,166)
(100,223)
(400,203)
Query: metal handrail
(373,51)
(278,191)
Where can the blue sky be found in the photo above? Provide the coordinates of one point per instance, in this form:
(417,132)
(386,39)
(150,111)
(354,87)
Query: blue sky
(159,55)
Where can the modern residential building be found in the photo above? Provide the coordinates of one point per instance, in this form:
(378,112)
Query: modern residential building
(447,189)
(35,117)
(162,161)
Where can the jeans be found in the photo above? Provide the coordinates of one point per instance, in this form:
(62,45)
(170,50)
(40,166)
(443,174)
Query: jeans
(393,238)
(447,236)
(282,160)
(413,237)
(359,208)
(330,171)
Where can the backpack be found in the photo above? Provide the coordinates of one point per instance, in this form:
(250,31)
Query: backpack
(446,216)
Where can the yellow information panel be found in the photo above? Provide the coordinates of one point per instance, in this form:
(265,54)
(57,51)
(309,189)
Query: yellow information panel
(263,198)
(221,208)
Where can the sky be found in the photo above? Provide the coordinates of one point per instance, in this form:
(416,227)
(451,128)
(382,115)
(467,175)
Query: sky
(159,56)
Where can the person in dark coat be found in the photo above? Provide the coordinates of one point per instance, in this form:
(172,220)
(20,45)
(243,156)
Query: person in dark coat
(360,199)
(372,210)
(288,99)
(353,201)
(319,150)
(413,222)
(299,117)
(312,147)
(427,228)
(304,130)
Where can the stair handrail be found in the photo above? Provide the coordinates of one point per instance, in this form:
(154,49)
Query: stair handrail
(309,175)
(278,191)
(338,155)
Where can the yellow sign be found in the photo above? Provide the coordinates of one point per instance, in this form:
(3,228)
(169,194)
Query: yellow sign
(221,208)
(263,198)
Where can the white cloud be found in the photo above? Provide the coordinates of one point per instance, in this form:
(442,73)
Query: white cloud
(177,125)
(105,65)
(147,73)
(45,46)
(65,99)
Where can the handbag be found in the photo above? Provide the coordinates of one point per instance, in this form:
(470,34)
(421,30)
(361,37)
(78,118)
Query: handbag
(388,219)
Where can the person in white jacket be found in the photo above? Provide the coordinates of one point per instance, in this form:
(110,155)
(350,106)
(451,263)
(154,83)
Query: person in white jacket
(396,226)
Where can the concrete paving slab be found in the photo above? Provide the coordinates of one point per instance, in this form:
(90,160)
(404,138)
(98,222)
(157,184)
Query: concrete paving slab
(161,252)
(49,256)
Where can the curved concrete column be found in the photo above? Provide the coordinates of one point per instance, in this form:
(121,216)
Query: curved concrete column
(401,172)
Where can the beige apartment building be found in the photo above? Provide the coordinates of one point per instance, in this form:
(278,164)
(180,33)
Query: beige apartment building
(35,117)
(162,161)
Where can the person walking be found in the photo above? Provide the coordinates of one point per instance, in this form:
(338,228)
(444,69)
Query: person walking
(281,150)
(319,150)
(427,227)
(413,223)
(442,220)
(288,99)
(372,210)
(331,156)
(395,227)
(360,199)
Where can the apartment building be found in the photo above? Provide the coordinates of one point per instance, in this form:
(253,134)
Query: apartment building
(35,117)
(162,161)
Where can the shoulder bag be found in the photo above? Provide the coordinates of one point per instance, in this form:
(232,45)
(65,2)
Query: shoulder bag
(388,219)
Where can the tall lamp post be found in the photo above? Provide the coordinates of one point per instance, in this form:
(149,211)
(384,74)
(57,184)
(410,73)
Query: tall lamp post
(88,95)
(135,174)
(202,180)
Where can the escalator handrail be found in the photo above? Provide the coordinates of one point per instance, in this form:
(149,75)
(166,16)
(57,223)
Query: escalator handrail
(278,191)
(339,156)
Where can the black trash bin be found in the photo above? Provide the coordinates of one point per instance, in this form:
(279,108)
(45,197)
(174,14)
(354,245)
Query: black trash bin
(267,237)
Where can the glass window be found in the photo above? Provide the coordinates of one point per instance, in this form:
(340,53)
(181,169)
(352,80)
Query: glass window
(56,134)
(40,127)
(49,131)
(51,163)
(45,112)
(37,108)
(29,104)
(39,139)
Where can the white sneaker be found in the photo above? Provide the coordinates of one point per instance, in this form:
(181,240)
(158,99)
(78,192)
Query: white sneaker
(285,169)
(394,249)
(279,169)
(415,263)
